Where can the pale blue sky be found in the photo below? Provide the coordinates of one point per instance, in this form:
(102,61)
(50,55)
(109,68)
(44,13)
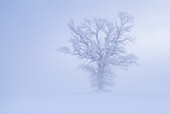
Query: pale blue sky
(30,30)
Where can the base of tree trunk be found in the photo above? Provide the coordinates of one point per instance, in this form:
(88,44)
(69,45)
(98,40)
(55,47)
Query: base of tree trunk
(102,90)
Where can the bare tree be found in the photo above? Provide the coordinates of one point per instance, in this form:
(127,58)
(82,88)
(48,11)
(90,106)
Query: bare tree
(102,44)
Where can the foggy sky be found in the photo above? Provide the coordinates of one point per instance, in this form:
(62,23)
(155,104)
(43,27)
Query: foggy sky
(30,30)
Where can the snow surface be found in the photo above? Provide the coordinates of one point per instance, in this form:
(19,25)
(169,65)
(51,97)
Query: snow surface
(87,103)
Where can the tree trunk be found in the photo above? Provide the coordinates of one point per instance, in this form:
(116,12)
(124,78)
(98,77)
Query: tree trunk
(100,83)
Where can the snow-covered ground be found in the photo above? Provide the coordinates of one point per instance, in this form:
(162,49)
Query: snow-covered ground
(87,103)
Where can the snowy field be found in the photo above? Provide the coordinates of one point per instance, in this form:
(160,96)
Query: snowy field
(87,103)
